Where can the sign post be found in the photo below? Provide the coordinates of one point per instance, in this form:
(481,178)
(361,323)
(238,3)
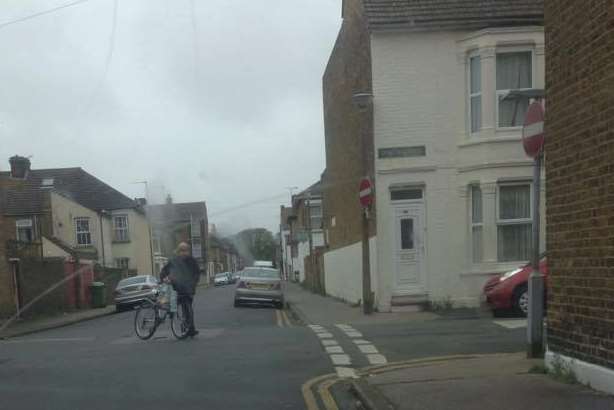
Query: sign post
(533,143)
(366,199)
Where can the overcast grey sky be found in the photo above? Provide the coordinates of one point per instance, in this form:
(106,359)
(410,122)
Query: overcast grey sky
(216,100)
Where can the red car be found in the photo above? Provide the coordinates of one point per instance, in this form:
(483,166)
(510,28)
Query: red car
(510,291)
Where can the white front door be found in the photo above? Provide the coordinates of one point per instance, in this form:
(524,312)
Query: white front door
(409,247)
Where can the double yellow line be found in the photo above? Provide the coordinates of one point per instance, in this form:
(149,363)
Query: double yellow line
(282,318)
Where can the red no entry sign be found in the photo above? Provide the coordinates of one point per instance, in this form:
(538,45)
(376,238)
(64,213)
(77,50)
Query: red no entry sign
(366,193)
(533,130)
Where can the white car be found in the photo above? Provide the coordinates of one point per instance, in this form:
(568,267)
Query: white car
(221,279)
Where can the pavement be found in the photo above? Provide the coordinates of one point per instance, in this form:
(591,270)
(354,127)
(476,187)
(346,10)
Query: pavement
(453,360)
(21,327)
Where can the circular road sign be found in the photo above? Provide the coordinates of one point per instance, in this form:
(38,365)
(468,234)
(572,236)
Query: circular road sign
(533,130)
(366,193)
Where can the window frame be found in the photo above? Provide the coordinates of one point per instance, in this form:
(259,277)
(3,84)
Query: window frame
(118,264)
(88,232)
(121,229)
(475,225)
(511,222)
(471,95)
(499,93)
(30,225)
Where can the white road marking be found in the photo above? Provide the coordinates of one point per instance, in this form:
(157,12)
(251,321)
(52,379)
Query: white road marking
(334,349)
(345,327)
(368,349)
(346,372)
(377,359)
(329,342)
(325,335)
(340,359)
(50,340)
(316,327)
(361,342)
(511,323)
(353,334)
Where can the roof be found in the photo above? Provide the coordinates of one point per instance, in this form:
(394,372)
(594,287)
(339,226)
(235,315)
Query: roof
(429,15)
(185,211)
(27,196)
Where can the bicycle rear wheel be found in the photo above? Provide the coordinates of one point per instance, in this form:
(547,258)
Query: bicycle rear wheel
(146,321)
(179,323)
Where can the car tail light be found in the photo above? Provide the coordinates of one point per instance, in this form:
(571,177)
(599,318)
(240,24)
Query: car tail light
(277,286)
(241,285)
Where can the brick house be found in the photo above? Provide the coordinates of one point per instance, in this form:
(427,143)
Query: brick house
(580,188)
(453,185)
(172,223)
(67,212)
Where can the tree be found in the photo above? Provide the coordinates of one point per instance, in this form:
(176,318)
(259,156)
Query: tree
(256,244)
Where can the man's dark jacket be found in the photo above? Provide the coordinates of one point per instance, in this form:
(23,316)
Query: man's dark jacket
(184,273)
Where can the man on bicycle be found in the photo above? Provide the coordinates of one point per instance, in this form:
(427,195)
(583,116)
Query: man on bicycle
(183,273)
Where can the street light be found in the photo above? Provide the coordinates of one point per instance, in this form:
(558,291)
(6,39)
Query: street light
(363,101)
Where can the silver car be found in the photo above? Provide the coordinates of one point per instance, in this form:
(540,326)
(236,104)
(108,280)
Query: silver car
(259,285)
(131,291)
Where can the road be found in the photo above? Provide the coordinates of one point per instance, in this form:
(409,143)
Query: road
(245,358)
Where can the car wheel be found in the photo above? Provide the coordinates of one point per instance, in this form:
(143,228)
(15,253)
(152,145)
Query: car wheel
(521,300)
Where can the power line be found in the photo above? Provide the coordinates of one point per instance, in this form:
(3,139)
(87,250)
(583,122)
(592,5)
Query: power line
(247,205)
(42,13)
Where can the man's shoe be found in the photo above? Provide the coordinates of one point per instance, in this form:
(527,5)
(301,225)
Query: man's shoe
(192,332)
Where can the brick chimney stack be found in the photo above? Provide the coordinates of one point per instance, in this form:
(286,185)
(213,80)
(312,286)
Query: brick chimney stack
(20,166)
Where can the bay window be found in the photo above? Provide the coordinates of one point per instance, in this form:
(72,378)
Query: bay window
(514,222)
(514,73)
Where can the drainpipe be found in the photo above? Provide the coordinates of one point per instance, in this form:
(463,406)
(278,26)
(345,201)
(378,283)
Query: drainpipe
(102,212)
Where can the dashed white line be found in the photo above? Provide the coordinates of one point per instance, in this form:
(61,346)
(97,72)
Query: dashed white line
(329,342)
(340,359)
(334,349)
(354,334)
(511,324)
(377,359)
(346,372)
(361,342)
(368,349)
(325,335)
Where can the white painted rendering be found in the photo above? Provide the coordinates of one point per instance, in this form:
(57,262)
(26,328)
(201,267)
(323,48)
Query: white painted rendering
(137,249)
(51,250)
(343,269)
(597,377)
(420,92)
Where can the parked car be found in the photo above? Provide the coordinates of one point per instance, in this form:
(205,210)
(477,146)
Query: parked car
(259,285)
(510,290)
(221,279)
(232,278)
(131,291)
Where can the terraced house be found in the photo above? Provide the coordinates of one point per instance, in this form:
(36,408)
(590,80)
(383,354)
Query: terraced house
(439,140)
(67,211)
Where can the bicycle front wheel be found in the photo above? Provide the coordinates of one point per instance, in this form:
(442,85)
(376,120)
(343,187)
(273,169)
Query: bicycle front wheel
(179,323)
(145,321)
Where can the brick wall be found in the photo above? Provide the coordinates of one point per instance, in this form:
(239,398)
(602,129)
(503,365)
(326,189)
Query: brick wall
(580,178)
(7,305)
(348,71)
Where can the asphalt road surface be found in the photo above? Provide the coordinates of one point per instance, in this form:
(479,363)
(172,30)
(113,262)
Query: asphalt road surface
(244,358)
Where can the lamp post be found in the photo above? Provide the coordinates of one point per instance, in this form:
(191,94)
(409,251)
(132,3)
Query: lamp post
(362,101)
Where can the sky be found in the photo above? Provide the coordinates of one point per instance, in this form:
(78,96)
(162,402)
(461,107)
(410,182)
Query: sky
(214,100)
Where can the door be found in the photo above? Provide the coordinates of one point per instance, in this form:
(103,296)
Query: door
(409,247)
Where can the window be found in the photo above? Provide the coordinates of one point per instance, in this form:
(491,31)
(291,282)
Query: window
(120,228)
(84,237)
(315,214)
(514,72)
(476,223)
(514,223)
(475,93)
(405,194)
(402,152)
(122,263)
(25,230)
(407,234)
(156,244)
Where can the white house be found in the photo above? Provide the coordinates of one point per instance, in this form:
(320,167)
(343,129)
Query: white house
(453,184)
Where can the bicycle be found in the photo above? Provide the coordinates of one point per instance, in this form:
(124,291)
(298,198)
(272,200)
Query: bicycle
(154,311)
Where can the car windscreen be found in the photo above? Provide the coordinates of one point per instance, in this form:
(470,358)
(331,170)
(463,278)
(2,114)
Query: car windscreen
(132,281)
(221,275)
(261,273)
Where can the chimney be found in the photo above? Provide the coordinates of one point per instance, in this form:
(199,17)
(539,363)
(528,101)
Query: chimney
(20,166)
(141,201)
